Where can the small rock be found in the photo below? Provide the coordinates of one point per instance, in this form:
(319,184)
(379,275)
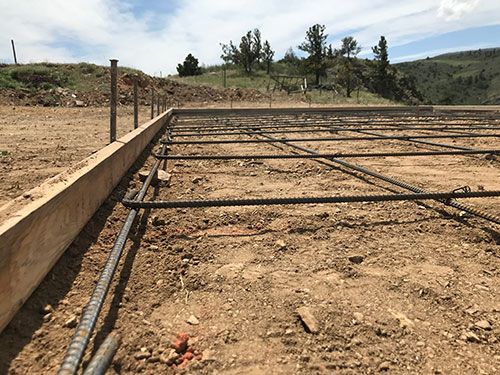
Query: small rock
(470,337)
(79,103)
(47,317)
(384,366)
(177,248)
(47,309)
(490,157)
(71,322)
(208,356)
(180,342)
(281,244)
(356,259)
(483,324)
(163,176)
(196,180)
(308,319)
(153,248)
(193,320)
(358,317)
(143,354)
(169,357)
(471,311)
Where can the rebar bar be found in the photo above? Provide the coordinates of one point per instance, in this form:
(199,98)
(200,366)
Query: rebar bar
(336,155)
(330,139)
(81,338)
(101,361)
(308,200)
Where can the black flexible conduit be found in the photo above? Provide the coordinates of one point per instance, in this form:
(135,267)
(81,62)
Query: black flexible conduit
(81,338)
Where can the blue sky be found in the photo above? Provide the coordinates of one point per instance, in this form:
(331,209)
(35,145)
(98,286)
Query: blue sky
(156,35)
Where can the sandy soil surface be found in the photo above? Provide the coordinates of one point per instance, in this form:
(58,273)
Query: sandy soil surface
(40,142)
(394,287)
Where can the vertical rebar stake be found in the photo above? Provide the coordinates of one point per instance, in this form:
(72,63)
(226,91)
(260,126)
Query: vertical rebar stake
(158,106)
(136,104)
(112,122)
(152,102)
(14,51)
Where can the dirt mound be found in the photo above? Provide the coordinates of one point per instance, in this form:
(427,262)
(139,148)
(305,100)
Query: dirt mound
(176,93)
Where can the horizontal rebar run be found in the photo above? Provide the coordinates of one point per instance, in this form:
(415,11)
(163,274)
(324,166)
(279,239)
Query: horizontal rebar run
(338,155)
(329,139)
(306,200)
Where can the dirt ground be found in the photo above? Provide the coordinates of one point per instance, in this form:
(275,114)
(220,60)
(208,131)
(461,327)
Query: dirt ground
(393,287)
(37,143)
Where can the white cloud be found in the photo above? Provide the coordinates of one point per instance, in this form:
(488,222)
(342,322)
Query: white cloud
(96,30)
(452,10)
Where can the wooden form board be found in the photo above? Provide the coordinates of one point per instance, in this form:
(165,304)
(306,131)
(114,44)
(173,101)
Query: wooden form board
(36,229)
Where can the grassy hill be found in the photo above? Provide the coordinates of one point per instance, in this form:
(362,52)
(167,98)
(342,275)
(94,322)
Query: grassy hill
(261,81)
(469,77)
(83,84)
(46,76)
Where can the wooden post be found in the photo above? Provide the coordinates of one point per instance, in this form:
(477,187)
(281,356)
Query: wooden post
(152,102)
(270,100)
(114,96)
(136,104)
(158,106)
(14,51)
(224,77)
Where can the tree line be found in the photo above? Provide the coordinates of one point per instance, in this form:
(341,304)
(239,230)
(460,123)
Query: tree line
(340,65)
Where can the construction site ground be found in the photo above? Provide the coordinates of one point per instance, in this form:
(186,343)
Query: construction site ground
(358,288)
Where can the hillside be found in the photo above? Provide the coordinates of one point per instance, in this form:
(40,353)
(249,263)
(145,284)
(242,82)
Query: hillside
(469,77)
(83,84)
(261,81)
(67,85)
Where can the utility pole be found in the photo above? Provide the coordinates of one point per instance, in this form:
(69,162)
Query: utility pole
(14,51)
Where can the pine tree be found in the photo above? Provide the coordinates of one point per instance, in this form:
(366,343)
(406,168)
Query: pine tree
(189,67)
(267,55)
(247,54)
(383,79)
(350,49)
(314,45)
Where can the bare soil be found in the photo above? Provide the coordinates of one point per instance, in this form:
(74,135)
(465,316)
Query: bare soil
(393,287)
